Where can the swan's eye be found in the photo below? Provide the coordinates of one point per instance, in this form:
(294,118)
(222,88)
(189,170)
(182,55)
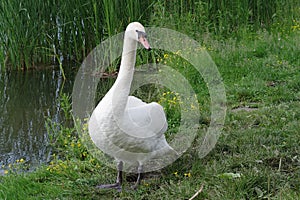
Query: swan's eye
(141,34)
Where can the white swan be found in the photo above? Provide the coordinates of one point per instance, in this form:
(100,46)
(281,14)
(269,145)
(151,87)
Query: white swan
(124,126)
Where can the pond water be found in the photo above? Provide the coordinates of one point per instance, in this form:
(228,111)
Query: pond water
(27,99)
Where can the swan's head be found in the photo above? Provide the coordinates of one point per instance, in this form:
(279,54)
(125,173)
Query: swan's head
(136,31)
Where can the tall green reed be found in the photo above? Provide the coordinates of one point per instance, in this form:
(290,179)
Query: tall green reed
(20,32)
(223,17)
(49,32)
(34,32)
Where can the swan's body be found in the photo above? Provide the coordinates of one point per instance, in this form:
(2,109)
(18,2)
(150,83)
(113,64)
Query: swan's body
(124,126)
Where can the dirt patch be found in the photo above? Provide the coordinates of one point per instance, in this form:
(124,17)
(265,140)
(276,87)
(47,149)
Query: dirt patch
(247,109)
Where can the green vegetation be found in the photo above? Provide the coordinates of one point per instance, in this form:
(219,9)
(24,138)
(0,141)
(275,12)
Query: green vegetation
(256,46)
(45,32)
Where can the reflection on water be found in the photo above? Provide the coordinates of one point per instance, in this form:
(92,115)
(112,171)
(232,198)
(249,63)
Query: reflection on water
(26,98)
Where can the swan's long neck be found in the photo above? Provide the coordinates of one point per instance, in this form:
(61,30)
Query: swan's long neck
(121,88)
(128,57)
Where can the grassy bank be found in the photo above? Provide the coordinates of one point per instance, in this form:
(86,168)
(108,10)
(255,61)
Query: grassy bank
(256,157)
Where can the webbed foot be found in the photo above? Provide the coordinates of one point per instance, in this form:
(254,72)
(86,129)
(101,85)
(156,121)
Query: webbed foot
(116,186)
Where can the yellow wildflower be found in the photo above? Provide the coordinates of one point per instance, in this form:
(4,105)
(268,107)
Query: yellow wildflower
(187,174)
(5,171)
(193,107)
(178,52)
(86,119)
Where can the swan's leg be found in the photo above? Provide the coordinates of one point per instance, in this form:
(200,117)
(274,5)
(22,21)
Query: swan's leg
(118,184)
(138,180)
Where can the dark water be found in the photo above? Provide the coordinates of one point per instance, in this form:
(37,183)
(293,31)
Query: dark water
(26,99)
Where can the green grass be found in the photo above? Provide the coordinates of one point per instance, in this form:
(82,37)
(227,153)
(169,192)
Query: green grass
(259,142)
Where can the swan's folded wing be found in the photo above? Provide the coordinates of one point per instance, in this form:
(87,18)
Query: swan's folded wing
(134,102)
(146,120)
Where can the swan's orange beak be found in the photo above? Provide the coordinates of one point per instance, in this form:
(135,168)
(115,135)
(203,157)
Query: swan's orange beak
(144,42)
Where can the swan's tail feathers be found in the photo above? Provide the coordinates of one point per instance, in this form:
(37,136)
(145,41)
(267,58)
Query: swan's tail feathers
(169,152)
(163,157)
